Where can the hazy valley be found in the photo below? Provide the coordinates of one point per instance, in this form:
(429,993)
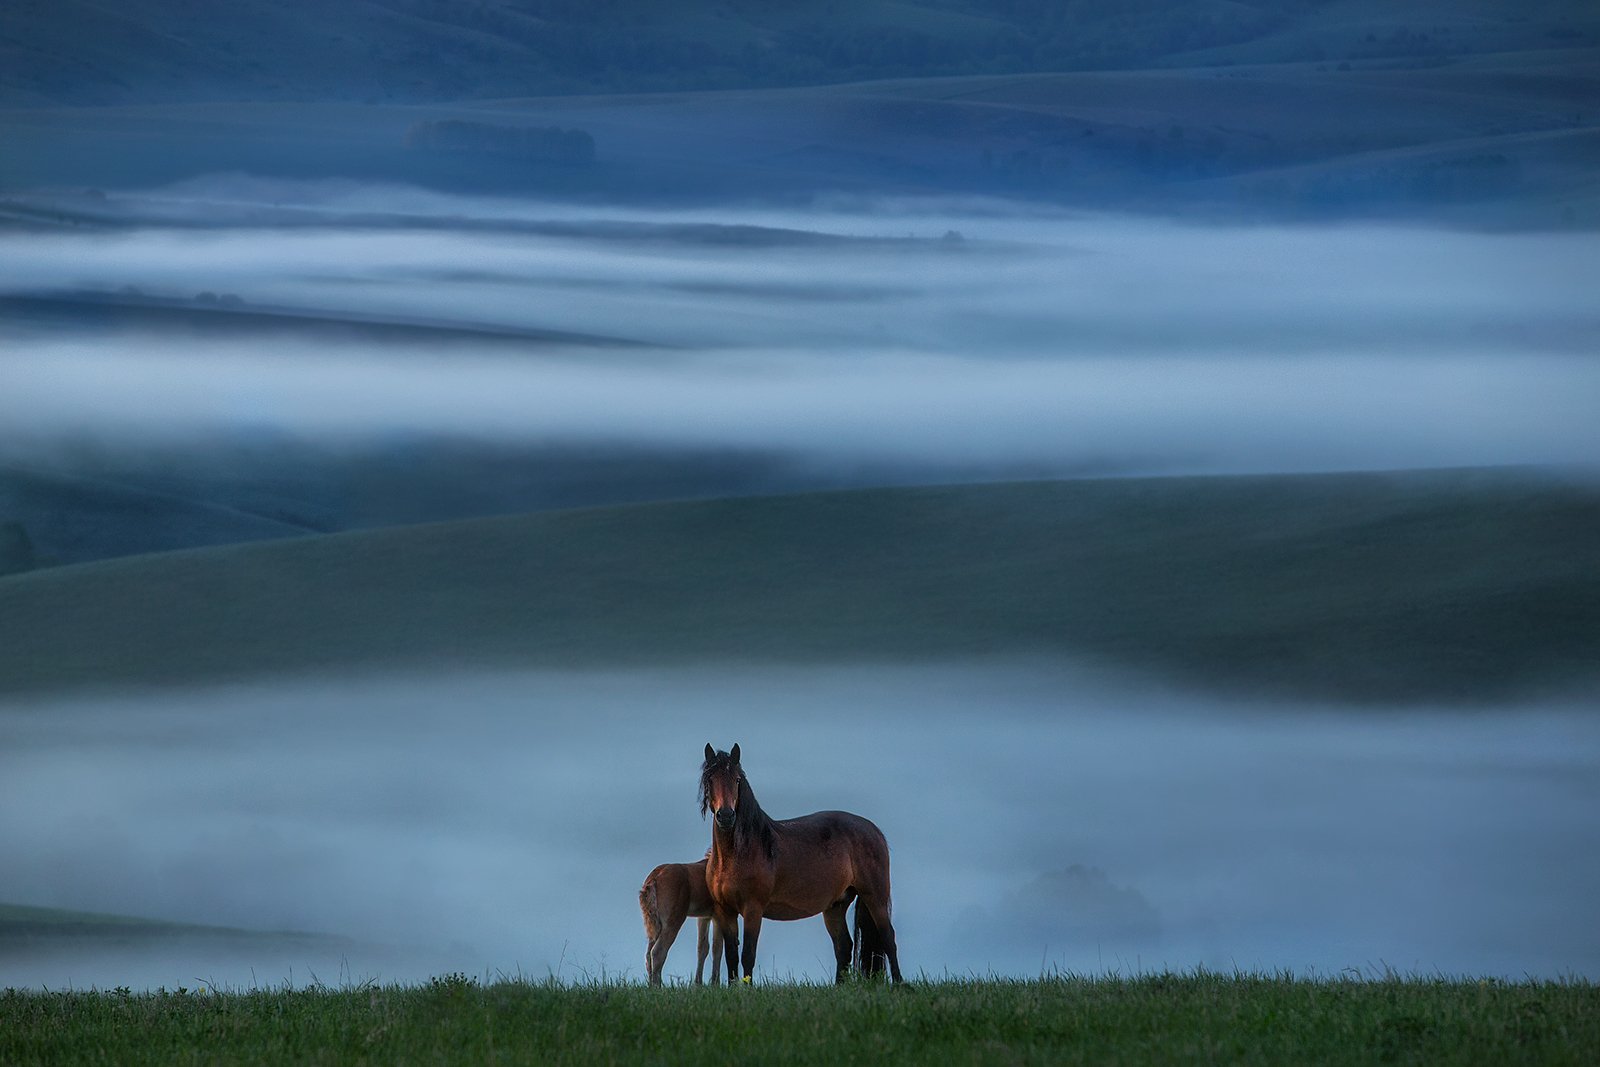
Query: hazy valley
(1148,464)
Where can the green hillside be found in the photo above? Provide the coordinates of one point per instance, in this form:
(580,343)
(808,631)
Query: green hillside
(1449,586)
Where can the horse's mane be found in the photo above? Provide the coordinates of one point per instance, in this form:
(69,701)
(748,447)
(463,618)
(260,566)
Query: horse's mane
(751,825)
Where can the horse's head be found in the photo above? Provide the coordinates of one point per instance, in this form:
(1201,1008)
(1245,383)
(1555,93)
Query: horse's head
(720,779)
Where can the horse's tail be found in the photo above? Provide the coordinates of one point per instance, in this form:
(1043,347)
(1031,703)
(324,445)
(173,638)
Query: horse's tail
(855,941)
(651,910)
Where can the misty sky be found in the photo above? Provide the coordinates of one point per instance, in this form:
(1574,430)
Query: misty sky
(1043,338)
(1037,816)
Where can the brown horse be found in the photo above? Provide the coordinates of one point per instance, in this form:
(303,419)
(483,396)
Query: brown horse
(672,893)
(761,867)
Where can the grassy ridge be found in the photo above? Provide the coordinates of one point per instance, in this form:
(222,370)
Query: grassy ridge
(1160,1019)
(1440,586)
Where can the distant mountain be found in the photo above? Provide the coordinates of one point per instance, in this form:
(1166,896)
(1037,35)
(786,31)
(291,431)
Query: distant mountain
(173,51)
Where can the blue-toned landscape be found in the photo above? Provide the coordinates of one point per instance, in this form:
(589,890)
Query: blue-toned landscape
(1142,458)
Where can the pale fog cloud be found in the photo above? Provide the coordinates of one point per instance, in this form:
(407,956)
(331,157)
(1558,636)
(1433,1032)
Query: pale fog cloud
(1038,816)
(1211,411)
(1017,285)
(1042,338)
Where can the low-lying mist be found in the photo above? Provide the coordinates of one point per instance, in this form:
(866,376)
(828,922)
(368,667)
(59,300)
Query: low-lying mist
(1039,818)
(939,334)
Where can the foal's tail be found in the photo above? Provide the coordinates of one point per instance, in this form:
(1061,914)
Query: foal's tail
(651,910)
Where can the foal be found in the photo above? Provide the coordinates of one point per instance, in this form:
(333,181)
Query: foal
(672,893)
(761,867)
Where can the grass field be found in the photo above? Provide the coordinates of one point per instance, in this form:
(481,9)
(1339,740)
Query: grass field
(1154,1019)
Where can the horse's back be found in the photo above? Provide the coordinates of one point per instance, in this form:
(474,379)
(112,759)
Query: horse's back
(824,827)
(840,837)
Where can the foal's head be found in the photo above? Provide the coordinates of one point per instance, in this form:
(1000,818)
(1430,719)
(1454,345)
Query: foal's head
(720,779)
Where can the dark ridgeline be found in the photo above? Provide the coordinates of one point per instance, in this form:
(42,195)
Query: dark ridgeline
(787,869)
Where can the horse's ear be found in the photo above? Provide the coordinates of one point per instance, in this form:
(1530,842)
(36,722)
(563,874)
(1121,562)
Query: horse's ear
(711,753)
(735,752)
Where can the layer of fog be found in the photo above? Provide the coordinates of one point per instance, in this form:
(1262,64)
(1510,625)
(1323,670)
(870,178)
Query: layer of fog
(1040,818)
(1041,339)
(1199,413)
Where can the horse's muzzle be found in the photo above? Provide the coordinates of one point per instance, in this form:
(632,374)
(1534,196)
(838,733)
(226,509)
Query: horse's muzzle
(725,818)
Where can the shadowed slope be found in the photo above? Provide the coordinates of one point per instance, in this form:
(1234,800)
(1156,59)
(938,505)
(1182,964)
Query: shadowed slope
(30,929)
(1451,586)
(80,52)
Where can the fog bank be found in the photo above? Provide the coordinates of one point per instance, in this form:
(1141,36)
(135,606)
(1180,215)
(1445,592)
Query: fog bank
(937,333)
(1038,818)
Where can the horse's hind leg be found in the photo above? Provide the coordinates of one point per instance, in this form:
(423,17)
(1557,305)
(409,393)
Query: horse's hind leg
(883,944)
(833,918)
(867,959)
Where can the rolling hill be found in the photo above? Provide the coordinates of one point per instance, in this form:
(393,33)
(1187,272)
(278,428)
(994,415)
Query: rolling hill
(1506,138)
(1458,587)
(169,51)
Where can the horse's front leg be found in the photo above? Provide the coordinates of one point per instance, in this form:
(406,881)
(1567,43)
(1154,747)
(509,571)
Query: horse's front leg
(728,927)
(752,932)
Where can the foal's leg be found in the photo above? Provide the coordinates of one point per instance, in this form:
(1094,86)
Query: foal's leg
(670,925)
(833,919)
(701,945)
(752,932)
